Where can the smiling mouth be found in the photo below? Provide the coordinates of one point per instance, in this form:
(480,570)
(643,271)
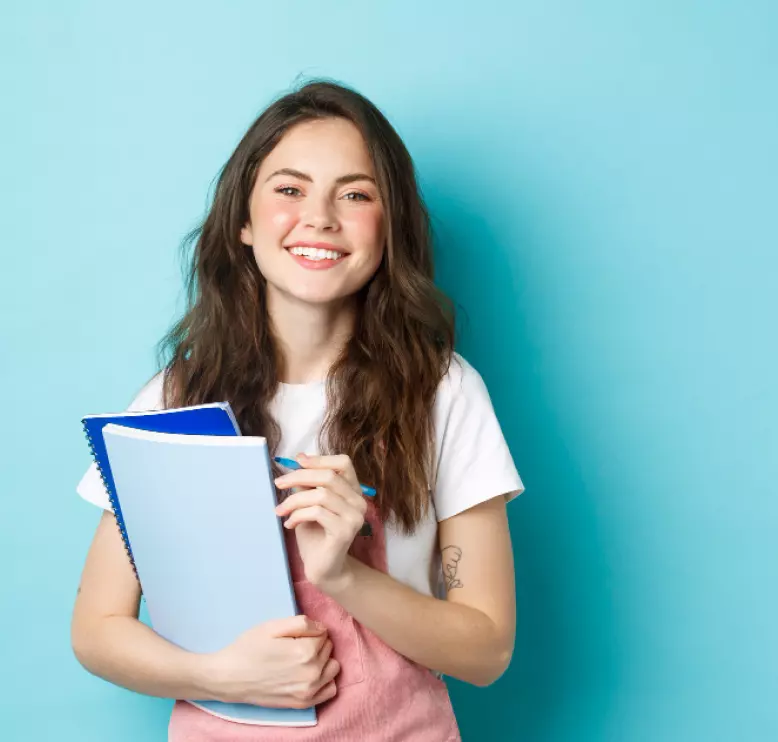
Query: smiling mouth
(316,254)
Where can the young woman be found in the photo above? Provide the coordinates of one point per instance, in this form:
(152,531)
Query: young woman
(313,312)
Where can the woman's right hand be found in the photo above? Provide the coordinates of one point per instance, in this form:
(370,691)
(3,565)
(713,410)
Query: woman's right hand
(282,664)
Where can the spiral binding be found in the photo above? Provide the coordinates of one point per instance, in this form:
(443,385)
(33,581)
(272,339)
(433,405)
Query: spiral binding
(117,513)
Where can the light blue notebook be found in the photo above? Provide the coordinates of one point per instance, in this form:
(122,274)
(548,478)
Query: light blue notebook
(206,419)
(208,547)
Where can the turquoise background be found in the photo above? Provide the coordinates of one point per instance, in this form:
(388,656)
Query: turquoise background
(603,181)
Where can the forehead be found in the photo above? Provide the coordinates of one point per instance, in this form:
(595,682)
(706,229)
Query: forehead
(323,147)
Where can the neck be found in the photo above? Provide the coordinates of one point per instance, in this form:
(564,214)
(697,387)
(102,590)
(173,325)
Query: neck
(310,337)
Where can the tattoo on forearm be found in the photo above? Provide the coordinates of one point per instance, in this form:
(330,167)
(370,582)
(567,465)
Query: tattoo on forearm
(451,556)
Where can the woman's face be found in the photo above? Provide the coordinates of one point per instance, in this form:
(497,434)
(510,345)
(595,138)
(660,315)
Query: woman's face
(316,219)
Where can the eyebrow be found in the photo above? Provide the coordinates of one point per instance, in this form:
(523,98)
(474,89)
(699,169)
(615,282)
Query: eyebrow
(342,180)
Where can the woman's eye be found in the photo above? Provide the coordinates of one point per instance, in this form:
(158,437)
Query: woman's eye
(288,191)
(356,196)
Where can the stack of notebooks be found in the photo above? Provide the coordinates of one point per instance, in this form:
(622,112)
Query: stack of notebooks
(194,501)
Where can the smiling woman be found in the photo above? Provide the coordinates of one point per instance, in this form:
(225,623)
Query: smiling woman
(312,310)
(316,199)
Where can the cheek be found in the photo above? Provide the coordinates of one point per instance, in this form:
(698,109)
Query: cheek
(367,229)
(276,217)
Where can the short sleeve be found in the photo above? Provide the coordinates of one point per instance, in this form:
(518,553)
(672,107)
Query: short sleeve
(474,463)
(91,486)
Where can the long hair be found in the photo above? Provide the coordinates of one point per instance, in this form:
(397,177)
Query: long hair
(381,390)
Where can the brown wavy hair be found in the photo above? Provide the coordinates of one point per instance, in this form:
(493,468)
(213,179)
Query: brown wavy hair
(381,390)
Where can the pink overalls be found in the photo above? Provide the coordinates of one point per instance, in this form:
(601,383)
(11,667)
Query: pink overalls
(382,696)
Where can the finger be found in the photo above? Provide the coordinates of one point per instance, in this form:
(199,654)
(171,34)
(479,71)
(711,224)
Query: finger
(294,627)
(302,480)
(324,655)
(309,647)
(340,463)
(328,691)
(318,496)
(331,480)
(329,673)
(343,528)
(334,525)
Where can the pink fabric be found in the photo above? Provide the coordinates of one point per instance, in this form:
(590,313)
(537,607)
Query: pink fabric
(382,696)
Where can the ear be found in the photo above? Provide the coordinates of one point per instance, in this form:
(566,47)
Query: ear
(246,236)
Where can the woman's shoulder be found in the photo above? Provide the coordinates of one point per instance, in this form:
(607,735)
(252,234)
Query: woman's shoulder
(150,396)
(461,390)
(460,378)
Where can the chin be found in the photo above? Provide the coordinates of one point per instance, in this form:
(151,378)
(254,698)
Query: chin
(318,301)
(319,297)
(322,291)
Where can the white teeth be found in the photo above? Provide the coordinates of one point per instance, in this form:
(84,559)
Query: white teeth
(314,253)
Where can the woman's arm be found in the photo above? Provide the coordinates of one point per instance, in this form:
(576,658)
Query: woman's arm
(470,635)
(110,641)
(282,663)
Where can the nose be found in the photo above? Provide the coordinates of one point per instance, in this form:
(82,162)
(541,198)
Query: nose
(320,214)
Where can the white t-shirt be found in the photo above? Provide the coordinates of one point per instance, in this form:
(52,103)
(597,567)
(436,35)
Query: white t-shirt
(473,461)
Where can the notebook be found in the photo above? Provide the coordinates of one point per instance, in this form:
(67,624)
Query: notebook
(208,547)
(207,419)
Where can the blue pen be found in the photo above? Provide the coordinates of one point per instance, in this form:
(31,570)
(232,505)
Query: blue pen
(292,464)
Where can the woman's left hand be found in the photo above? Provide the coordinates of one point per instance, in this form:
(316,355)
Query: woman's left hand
(326,512)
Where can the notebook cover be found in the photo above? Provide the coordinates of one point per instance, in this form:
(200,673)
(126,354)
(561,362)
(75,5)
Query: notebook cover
(209,549)
(208,419)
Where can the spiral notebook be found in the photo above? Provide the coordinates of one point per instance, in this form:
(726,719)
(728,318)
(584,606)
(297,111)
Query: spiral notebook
(207,546)
(207,419)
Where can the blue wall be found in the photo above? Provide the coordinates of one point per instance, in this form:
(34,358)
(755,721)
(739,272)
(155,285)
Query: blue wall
(603,180)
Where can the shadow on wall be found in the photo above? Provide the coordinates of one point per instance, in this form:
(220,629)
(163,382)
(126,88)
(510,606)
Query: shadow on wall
(566,658)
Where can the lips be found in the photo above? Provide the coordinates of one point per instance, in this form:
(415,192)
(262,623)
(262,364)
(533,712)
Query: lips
(318,246)
(319,257)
